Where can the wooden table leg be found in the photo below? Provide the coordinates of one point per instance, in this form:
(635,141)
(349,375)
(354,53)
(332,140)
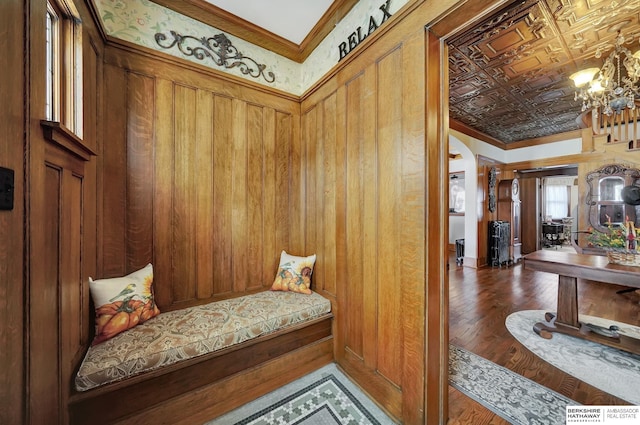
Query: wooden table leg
(568,301)
(566,321)
(567,314)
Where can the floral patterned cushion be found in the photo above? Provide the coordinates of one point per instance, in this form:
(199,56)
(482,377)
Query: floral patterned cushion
(183,334)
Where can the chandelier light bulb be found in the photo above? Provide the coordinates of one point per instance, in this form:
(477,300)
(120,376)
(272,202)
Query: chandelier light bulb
(596,87)
(583,77)
(617,84)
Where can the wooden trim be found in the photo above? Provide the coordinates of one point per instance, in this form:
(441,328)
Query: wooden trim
(555,161)
(472,132)
(325,25)
(462,16)
(59,134)
(232,24)
(560,137)
(436,400)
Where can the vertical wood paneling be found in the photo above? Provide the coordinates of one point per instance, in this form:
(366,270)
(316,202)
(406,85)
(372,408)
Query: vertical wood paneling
(140,130)
(71,270)
(390,121)
(288,170)
(222,154)
(114,209)
(163,193)
(255,201)
(208,187)
(239,195)
(184,194)
(204,195)
(57,322)
(48,354)
(328,201)
(366,162)
(13,264)
(311,146)
(353,314)
(271,249)
(413,230)
(338,263)
(317,191)
(370,217)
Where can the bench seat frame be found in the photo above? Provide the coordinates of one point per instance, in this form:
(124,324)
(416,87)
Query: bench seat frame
(223,377)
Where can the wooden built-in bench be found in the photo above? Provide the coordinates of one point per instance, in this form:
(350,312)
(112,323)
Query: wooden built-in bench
(177,390)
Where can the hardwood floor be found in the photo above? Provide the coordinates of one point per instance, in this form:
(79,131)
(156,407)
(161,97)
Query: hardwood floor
(479,302)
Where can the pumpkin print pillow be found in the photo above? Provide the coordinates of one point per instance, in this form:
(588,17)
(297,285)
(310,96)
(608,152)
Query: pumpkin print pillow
(294,274)
(122,302)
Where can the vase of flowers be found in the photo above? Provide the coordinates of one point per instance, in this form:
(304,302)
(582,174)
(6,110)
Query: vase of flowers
(619,243)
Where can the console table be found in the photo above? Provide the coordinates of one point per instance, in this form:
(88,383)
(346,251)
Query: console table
(570,267)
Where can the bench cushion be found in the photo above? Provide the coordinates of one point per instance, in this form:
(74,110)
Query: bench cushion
(184,334)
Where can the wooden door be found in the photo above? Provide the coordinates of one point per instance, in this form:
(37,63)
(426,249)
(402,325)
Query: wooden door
(530,211)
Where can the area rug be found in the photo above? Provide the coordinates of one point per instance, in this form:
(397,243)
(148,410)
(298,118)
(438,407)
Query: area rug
(511,396)
(609,369)
(324,397)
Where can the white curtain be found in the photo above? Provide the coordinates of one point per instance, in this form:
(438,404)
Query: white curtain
(556,199)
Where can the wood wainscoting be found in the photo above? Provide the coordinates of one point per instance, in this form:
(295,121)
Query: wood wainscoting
(197,179)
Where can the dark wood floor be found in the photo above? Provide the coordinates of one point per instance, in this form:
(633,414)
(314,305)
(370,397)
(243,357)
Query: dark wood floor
(479,302)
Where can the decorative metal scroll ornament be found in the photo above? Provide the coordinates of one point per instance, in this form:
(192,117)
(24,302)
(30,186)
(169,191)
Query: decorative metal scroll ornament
(219,49)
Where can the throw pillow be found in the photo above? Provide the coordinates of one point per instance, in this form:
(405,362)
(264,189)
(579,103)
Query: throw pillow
(122,302)
(294,273)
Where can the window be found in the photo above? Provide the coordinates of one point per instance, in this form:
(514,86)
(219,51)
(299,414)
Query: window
(64,65)
(556,201)
(456,193)
(52,74)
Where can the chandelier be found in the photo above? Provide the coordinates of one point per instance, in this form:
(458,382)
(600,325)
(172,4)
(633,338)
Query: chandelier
(611,88)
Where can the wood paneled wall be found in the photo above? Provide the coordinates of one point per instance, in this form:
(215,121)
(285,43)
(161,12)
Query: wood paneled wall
(197,180)
(60,227)
(12,155)
(366,162)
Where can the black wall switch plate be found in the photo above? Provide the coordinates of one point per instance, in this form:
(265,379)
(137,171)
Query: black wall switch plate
(6,188)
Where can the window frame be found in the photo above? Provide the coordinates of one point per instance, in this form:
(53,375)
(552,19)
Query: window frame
(66,56)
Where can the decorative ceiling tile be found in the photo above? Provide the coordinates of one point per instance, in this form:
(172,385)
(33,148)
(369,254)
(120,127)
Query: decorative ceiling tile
(524,55)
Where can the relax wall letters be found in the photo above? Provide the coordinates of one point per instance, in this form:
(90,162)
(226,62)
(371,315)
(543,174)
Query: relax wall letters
(358,36)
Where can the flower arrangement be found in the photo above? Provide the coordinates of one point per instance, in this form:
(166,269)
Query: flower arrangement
(615,238)
(620,243)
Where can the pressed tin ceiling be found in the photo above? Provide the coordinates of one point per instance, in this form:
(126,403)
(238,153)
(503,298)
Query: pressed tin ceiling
(509,75)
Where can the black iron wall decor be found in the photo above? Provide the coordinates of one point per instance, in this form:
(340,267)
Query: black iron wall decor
(492,189)
(358,35)
(219,49)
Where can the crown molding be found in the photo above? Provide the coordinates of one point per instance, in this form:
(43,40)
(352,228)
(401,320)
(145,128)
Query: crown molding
(232,24)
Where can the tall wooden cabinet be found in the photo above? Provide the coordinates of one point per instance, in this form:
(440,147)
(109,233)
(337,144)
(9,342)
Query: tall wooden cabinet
(509,210)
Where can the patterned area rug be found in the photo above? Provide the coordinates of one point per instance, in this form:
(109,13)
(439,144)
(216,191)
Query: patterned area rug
(324,397)
(613,371)
(509,395)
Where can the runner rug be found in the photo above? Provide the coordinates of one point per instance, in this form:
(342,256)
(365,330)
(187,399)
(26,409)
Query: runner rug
(609,369)
(511,396)
(328,397)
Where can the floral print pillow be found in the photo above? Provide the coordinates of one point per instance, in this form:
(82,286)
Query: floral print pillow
(122,302)
(294,274)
